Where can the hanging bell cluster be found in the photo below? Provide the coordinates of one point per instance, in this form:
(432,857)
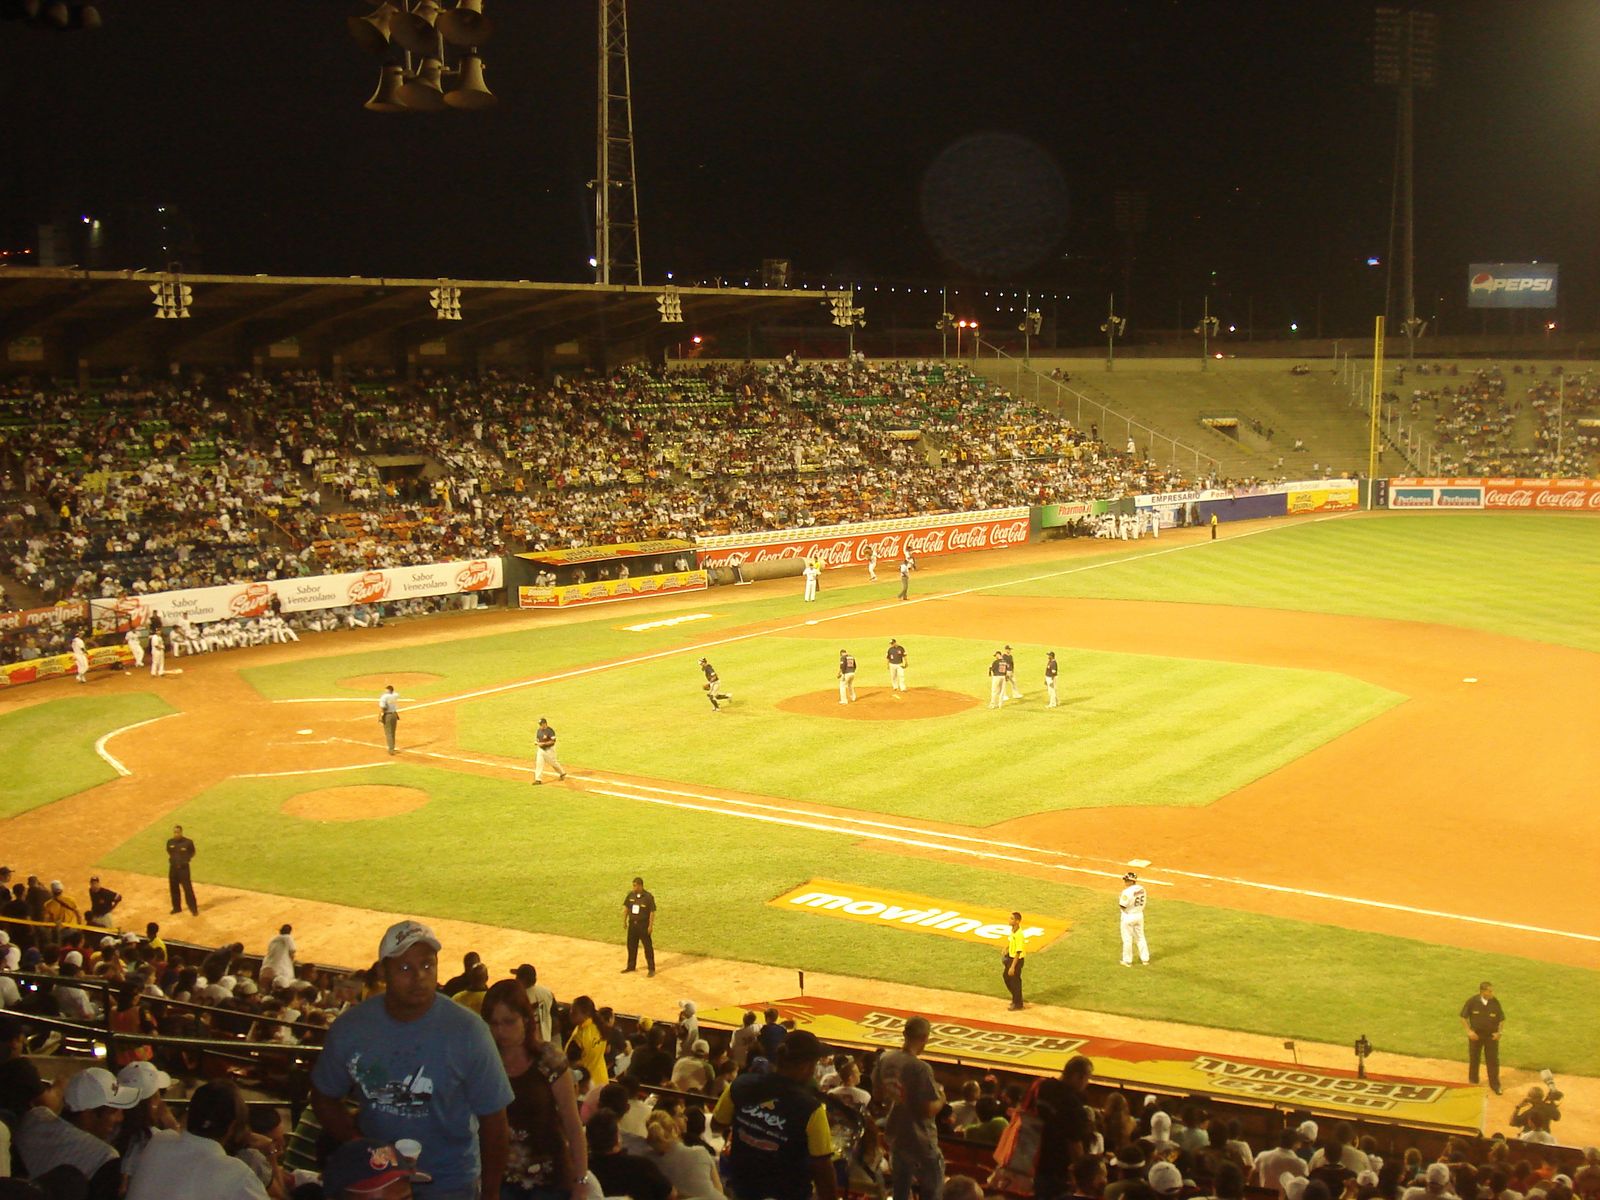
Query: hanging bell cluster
(418,40)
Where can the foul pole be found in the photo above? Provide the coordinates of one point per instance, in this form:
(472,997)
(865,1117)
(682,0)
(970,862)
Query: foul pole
(1377,403)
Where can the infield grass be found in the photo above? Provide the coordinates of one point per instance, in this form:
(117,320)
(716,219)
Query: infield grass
(50,753)
(559,862)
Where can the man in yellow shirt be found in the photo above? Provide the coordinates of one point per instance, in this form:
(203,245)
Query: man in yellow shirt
(1016,950)
(587,1038)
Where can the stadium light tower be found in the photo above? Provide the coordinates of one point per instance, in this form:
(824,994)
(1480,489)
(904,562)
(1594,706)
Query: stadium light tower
(616,197)
(1113,327)
(1207,329)
(1403,45)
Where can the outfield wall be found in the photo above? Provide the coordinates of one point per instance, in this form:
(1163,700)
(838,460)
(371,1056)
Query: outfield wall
(1504,495)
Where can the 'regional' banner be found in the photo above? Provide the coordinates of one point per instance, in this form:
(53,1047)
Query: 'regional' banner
(1428,1103)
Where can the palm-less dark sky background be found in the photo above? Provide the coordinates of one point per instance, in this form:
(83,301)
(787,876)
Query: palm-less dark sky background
(868,141)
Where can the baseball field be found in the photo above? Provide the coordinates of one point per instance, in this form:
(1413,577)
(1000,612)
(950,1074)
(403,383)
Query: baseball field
(1354,761)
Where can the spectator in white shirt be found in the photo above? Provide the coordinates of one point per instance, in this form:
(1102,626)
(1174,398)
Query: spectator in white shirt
(194,1164)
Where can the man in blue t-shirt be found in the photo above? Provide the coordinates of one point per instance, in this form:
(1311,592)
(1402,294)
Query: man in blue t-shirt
(418,1067)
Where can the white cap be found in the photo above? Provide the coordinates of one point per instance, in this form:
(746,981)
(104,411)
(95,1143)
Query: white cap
(73,957)
(97,1088)
(1437,1174)
(400,937)
(1308,1130)
(1166,1178)
(145,1078)
(686,1006)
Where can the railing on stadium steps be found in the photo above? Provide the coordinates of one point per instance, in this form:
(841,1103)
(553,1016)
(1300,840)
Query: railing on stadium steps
(1415,443)
(1064,399)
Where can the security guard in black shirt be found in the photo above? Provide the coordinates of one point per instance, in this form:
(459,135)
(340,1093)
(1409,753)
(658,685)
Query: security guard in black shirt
(1482,1016)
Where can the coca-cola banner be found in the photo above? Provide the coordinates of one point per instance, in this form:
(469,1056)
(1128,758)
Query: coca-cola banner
(302,594)
(847,545)
(1564,495)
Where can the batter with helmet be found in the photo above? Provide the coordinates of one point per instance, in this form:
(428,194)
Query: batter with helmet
(1131,902)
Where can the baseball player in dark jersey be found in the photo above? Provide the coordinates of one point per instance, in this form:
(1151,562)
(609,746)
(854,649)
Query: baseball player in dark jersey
(1051,670)
(847,677)
(544,739)
(897,669)
(1013,691)
(907,565)
(997,681)
(713,686)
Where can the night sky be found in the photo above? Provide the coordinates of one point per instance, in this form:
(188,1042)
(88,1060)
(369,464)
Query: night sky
(874,141)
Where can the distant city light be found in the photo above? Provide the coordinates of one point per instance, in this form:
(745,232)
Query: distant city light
(85,220)
(1293,328)
(1549,325)
(669,273)
(697,339)
(1374,261)
(1233,329)
(593,262)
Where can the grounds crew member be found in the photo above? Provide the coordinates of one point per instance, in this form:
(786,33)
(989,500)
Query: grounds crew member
(1011,960)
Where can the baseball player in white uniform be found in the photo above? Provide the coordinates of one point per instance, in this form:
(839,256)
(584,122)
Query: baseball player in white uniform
(80,657)
(847,677)
(872,564)
(1131,902)
(544,740)
(1051,670)
(158,654)
(137,646)
(810,574)
(1013,692)
(997,681)
(897,669)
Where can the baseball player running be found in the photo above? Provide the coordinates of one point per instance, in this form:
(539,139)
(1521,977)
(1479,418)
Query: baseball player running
(997,681)
(80,658)
(1051,670)
(1015,692)
(544,755)
(897,669)
(1131,902)
(713,686)
(847,677)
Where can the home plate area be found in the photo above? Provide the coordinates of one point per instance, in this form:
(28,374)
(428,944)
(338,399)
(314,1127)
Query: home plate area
(880,704)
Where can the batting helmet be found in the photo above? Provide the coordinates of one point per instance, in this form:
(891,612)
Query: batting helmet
(1130,877)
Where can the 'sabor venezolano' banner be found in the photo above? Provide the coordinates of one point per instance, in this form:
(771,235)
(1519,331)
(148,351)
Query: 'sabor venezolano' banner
(1430,1103)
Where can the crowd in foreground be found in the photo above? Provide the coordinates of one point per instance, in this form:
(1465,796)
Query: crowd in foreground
(470,1085)
(145,486)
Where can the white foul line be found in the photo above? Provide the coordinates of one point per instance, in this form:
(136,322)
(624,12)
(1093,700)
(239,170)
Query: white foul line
(116,764)
(313,770)
(699,647)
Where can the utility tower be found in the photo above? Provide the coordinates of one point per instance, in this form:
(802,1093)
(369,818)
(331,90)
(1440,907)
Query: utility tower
(1403,45)
(616,196)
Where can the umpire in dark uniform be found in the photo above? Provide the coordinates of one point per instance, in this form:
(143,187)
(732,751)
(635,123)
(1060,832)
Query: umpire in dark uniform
(639,917)
(180,852)
(1483,1016)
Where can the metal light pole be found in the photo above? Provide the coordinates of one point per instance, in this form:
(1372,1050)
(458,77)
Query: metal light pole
(1207,329)
(1404,40)
(1113,326)
(1031,322)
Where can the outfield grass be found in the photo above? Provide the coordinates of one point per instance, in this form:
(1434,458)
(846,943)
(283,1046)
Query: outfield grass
(555,862)
(1132,729)
(1528,575)
(50,747)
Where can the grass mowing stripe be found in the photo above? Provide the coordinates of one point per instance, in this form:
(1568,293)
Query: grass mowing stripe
(49,748)
(711,876)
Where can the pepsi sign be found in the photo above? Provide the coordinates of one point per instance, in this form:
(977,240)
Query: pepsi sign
(1512,285)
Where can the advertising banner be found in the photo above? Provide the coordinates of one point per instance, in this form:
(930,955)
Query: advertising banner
(915,914)
(301,594)
(846,545)
(68,612)
(602,590)
(54,666)
(1435,496)
(1330,495)
(1428,1103)
(1512,285)
(587,554)
(1054,516)
(1562,495)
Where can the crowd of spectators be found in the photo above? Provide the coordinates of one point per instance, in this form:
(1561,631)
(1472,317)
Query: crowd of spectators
(144,486)
(569,1100)
(1529,427)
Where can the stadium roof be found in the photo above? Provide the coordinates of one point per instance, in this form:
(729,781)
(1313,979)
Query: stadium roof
(110,315)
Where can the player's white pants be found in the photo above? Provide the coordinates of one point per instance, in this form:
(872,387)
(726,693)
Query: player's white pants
(81,662)
(138,652)
(158,662)
(811,589)
(1050,690)
(872,571)
(997,694)
(847,688)
(1155,528)
(1013,692)
(1133,932)
(897,677)
(543,758)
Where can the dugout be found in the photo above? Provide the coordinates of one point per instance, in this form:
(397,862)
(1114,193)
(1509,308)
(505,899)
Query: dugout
(588,574)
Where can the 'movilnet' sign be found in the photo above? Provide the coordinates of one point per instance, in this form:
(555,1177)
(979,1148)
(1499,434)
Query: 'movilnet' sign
(1512,285)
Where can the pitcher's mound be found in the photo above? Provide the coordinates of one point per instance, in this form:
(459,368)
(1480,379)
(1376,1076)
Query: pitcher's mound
(879,704)
(360,803)
(401,680)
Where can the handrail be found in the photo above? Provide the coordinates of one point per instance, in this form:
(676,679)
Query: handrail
(1107,414)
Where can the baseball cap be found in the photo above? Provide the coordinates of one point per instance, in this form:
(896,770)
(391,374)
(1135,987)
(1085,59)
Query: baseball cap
(1130,877)
(686,1006)
(1164,1177)
(1307,1130)
(367,1167)
(1161,1127)
(403,935)
(1131,1155)
(700,1046)
(107,942)
(1437,1174)
(73,957)
(97,1087)
(246,987)
(145,1078)
(802,1046)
